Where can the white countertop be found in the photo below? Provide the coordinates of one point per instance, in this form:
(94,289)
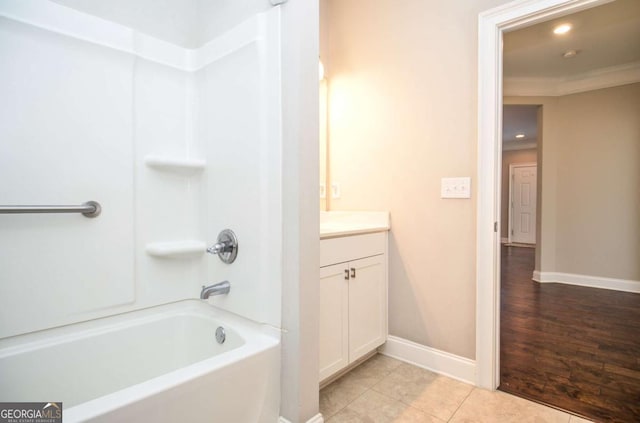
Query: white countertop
(343,223)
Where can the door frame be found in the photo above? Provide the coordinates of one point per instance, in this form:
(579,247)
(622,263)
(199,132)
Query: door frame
(491,26)
(512,167)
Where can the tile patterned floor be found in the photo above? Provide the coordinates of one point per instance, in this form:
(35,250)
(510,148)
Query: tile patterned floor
(383,390)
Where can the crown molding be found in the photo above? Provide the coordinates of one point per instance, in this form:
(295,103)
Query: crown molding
(588,81)
(518,145)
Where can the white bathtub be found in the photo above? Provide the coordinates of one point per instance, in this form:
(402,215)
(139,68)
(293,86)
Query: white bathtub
(161,364)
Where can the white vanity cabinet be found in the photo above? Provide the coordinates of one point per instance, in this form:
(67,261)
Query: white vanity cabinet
(353,299)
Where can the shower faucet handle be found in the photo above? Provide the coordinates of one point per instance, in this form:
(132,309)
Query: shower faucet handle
(226,247)
(219,247)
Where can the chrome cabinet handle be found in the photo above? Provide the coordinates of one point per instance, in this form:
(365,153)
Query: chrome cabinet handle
(353,272)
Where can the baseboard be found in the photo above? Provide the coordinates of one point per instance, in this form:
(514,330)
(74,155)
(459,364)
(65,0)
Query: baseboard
(451,365)
(519,245)
(315,419)
(588,281)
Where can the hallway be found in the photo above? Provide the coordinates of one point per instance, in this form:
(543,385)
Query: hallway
(571,347)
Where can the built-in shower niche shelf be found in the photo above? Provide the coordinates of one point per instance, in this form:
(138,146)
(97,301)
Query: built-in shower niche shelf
(185,166)
(176,249)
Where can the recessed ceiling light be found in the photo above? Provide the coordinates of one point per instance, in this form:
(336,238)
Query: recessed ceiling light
(570,53)
(562,29)
(520,136)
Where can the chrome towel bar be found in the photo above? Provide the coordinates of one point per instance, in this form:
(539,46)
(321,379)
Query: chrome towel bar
(88,209)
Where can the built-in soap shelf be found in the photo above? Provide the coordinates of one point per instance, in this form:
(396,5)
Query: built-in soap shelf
(176,165)
(176,249)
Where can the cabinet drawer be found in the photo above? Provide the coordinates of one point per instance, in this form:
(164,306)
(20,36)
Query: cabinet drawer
(343,249)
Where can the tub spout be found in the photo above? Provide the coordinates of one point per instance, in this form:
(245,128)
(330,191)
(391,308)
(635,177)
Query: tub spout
(216,289)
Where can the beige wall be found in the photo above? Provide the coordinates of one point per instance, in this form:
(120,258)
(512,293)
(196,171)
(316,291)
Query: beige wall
(599,183)
(403,95)
(323,6)
(508,158)
(324,92)
(590,199)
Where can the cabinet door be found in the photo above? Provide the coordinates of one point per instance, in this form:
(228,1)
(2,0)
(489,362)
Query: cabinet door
(367,305)
(334,309)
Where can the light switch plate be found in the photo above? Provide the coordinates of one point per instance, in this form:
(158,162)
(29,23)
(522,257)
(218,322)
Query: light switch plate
(455,188)
(335,190)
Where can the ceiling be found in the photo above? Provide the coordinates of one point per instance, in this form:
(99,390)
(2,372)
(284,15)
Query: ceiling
(604,36)
(519,119)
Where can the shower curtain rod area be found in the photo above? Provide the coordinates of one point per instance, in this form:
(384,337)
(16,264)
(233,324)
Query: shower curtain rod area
(88,209)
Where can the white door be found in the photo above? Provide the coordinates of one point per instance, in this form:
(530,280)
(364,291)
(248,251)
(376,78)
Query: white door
(523,204)
(334,319)
(367,305)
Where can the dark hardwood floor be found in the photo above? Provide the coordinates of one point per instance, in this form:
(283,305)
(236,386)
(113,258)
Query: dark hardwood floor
(570,347)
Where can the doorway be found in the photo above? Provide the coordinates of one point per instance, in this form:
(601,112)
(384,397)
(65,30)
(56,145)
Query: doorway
(520,139)
(492,26)
(522,203)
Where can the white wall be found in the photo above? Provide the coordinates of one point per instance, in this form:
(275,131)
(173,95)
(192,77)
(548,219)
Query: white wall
(301,241)
(403,93)
(215,17)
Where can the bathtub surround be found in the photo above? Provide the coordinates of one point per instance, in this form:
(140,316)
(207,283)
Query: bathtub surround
(54,134)
(184,117)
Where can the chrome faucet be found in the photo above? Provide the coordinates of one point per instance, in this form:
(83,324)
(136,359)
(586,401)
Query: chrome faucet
(226,248)
(216,289)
